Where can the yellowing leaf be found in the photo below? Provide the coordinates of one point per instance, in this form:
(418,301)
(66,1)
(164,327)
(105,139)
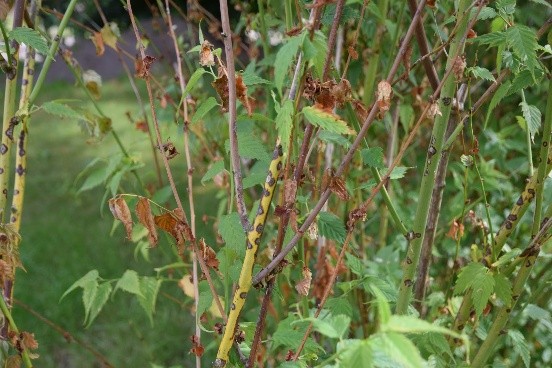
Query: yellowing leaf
(326,121)
(110,33)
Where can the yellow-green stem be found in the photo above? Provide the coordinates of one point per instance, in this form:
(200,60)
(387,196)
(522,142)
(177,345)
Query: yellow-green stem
(6,311)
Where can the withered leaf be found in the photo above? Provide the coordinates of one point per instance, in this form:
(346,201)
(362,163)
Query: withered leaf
(383,96)
(28,340)
(170,223)
(241,92)
(143,212)
(456,230)
(221,86)
(353,53)
(209,255)
(303,286)
(360,109)
(141,126)
(337,186)
(143,66)
(197,349)
(458,66)
(98,42)
(121,212)
(342,92)
(206,57)
(290,190)
(169,150)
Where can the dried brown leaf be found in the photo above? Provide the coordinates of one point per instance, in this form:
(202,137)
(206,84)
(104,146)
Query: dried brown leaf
(434,110)
(143,66)
(458,66)
(360,109)
(353,53)
(4,9)
(141,126)
(197,349)
(456,230)
(337,186)
(303,286)
(206,57)
(290,191)
(169,150)
(121,212)
(241,92)
(209,255)
(28,340)
(143,212)
(342,92)
(221,86)
(383,97)
(98,42)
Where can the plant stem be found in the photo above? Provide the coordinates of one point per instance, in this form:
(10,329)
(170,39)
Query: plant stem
(433,156)
(7,314)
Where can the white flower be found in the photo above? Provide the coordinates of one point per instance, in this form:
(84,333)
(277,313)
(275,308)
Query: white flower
(275,37)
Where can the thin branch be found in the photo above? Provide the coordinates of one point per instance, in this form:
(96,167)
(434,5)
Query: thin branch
(234,154)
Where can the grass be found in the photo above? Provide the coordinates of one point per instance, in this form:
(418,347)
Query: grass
(65,235)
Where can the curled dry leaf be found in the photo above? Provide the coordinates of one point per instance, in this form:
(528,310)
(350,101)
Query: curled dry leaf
(197,349)
(353,53)
(456,230)
(342,92)
(98,42)
(471,34)
(360,109)
(173,223)
(141,126)
(206,57)
(337,186)
(459,66)
(303,286)
(290,191)
(383,97)
(121,212)
(312,231)
(221,86)
(434,110)
(28,340)
(241,92)
(143,212)
(143,66)
(169,150)
(209,255)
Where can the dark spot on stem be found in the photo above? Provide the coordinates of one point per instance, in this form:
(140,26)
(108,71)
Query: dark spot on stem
(408,283)
(3,149)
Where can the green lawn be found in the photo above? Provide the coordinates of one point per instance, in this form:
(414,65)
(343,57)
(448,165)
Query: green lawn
(65,236)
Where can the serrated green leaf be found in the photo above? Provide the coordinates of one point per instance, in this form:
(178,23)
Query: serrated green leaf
(409,324)
(129,282)
(354,264)
(62,110)
(232,232)
(216,168)
(523,41)
(284,57)
(384,311)
(88,293)
(287,336)
(194,78)
(205,301)
(284,123)
(333,327)
(250,79)
(250,146)
(373,157)
(330,137)
(521,81)
(520,346)
(482,286)
(91,277)
(399,349)
(398,172)
(357,353)
(149,287)
(339,305)
(331,227)
(485,13)
(94,179)
(406,115)
(315,51)
(503,288)
(98,301)
(536,313)
(500,93)
(532,116)
(325,120)
(203,108)
(31,38)
(467,276)
(481,73)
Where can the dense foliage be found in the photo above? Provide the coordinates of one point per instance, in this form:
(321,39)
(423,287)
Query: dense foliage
(381,175)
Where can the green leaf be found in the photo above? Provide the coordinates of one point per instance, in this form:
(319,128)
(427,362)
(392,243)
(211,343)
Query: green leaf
(129,282)
(31,38)
(330,137)
(88,293)
(333,327)
(384,311)
(482,286)
(325,120)
(507,257)
(520,346)
(315,51)
(90,278)
(409,324)
(398,172)
(149,287)
(467,276)
(289,332)
(521,81)
(203,108)
(205,301)
(406,114)
(354,264)
(339,305)
(536,313)
(94,179)
(98,301)
(523,41)
(358,354)
(250,79)
(250,146)
(486,13)
(543,2)
(373,157)
(482,73)
(331,227)
(503,288)
(500,93)
(399,349)
(284,123)
(194,78)
(532,116)
(62,110)
(232,232)
(216,168)
(284,57)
